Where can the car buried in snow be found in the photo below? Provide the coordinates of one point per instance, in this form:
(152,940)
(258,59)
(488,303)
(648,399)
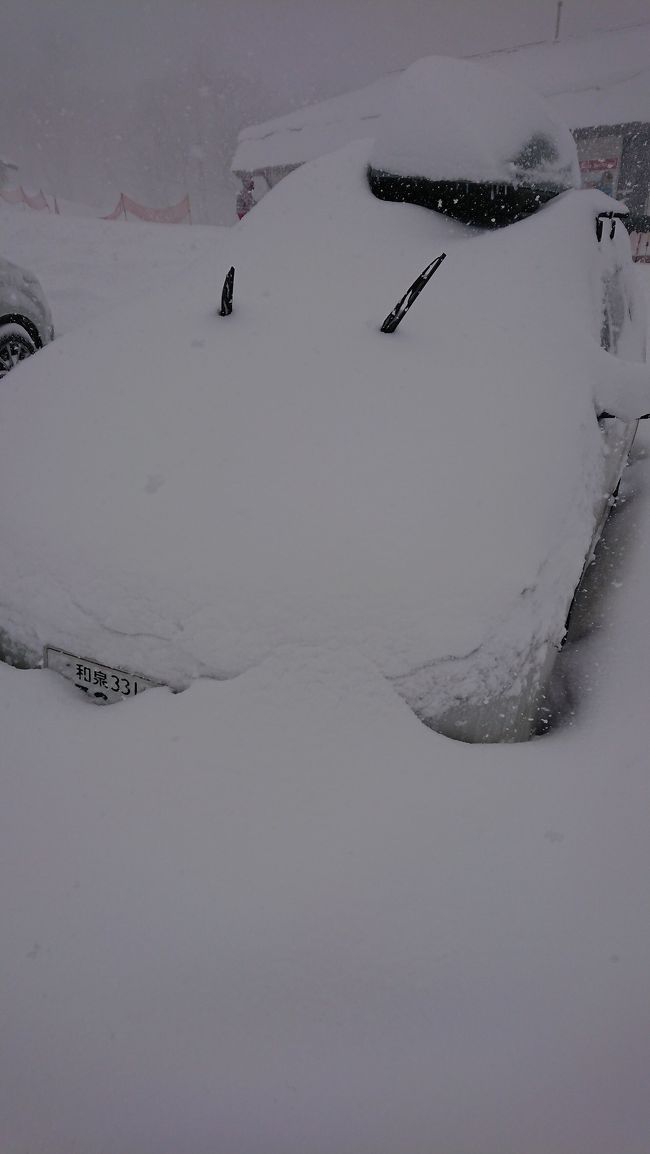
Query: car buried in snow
(305,462)
(25,318)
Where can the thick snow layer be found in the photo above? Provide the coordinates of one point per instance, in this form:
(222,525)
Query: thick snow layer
(17,277)
(63,251)
(290,474)
(622,102)
(457,120)
(311,132)
(599,79)
(276,915)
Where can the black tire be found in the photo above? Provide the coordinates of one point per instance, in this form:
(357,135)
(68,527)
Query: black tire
(15,345)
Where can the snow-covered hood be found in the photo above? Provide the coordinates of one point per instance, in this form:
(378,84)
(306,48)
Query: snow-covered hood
(210,488)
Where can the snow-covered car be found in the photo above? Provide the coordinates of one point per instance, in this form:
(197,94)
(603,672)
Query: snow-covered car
(296,472)
(25,317)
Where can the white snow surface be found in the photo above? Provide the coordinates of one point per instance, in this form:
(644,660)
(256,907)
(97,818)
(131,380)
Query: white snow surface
(66,250)
(449,119)
(312,131)
(603,78)
(277,915)
(290,474)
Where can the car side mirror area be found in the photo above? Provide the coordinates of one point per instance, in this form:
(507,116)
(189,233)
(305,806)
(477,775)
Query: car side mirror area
(610,218)
(622,388)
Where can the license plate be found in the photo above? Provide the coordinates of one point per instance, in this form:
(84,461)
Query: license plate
(101,683)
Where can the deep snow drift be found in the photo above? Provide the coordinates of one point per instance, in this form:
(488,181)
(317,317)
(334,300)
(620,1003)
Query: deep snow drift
(290,474)
(89,267)
(277,915)
(451,119)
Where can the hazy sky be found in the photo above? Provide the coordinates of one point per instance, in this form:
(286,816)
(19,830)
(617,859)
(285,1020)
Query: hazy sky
(306,48)
(82,79)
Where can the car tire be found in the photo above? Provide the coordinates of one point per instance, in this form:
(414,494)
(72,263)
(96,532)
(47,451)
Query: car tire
(15,345)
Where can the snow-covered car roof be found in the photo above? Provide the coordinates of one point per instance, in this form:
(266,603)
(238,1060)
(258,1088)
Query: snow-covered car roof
(461,139)
(210,488)
(458,120)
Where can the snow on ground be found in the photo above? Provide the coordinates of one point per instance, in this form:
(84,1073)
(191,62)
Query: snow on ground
(227,487)
(278,915)
(90,266)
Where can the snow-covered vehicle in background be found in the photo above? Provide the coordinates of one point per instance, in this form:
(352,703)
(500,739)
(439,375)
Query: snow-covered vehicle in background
(25,317)
(297,472)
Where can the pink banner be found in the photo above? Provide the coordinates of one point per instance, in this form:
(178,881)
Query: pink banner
(117,212)
(19,196)
(12,195)
(38,202)
(601,164)
(175,214)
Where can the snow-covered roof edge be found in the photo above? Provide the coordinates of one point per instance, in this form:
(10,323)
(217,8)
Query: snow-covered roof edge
(603,78)
(313,130)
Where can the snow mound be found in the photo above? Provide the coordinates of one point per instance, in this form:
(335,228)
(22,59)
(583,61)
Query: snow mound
(453,123)
(219,488)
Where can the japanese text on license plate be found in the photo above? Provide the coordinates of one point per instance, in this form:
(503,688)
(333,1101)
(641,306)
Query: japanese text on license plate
(101,683)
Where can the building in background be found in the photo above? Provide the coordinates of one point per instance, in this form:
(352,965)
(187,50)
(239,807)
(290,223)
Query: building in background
(616,159)
(599,85)
(268,152)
